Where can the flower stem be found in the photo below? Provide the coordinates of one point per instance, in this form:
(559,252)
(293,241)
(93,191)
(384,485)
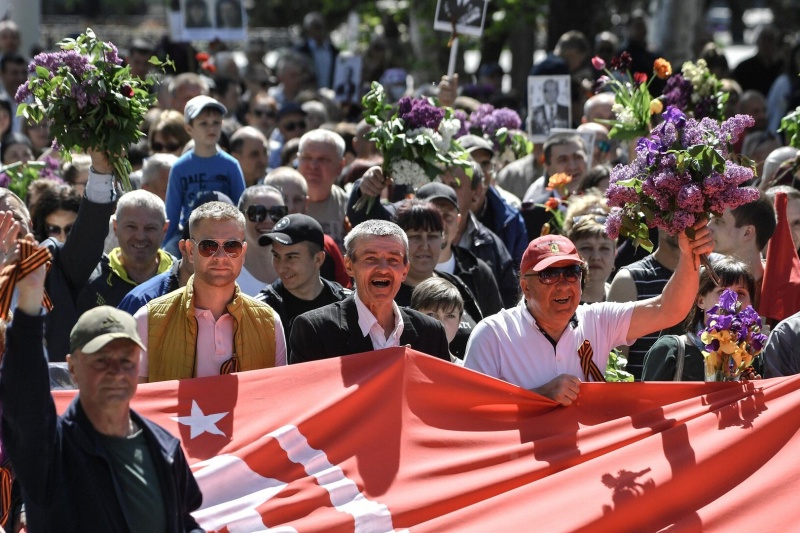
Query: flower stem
(711,273)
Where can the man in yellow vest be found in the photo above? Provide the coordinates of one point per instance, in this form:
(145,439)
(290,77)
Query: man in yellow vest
(209,326)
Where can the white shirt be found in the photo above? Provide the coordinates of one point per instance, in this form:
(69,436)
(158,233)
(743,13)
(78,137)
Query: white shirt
(214,341)
(248,283)
(369,325)
(510,346)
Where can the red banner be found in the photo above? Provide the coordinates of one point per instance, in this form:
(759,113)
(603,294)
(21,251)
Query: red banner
(395,440)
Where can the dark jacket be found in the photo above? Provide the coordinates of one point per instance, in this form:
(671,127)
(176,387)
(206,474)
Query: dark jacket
(273,296)
(506,222)
(477,275)
(333,331)
(73,263)
(154,287)
(60,463)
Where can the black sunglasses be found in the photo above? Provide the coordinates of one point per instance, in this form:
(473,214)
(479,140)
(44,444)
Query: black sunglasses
(548,276)
(209,247)
(269,113)
(258,213)
(170,147)
(53,229)
(291,126)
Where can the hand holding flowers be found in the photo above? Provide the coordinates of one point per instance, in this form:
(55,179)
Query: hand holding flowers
(732,337)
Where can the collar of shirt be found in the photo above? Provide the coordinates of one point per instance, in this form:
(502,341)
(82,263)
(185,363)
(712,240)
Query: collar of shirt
(573,322)
(369,325)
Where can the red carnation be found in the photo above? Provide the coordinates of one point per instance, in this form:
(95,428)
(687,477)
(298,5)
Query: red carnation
(202,56)
(639,77)
(127,91)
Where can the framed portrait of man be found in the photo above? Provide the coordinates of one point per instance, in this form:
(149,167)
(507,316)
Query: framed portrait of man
(207,20)
(347,78)
(549,105)
(469,16)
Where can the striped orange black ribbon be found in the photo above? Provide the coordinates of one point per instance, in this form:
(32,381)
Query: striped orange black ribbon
(230,366)
(5,495)
(30,258)
(588,365)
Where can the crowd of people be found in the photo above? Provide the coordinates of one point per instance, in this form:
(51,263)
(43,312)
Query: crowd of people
(244,245)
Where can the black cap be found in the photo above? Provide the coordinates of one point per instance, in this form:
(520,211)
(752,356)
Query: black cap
(294,229)
(435,190)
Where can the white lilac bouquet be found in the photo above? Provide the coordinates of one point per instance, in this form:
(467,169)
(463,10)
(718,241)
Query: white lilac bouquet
(416,139)
(732,338)
(90,100)
(633,104)
(681,174)
(696,92)
(501,127)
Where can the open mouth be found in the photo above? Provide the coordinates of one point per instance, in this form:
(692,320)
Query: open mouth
(381,283)
(561,300)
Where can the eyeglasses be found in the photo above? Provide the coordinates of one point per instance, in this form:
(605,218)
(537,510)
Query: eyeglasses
(603,146)
(52,229)
(209,247)
(169,147)
(296,125)
(269,113)
(548,276)
(600,219)
(258,213)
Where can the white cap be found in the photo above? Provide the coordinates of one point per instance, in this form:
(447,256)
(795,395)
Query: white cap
(197,104)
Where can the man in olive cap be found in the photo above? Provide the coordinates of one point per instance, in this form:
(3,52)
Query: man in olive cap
(100,466)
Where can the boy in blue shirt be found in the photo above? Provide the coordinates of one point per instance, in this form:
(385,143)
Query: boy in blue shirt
(205,168)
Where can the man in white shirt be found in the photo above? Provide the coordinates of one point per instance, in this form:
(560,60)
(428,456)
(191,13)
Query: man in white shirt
(549,343)
(377,258)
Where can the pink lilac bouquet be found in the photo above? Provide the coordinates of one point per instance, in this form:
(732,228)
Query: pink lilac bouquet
(696,92)
(18,176)
(732,338)
(501,128)
(681,174)
(89,98)
(417,139)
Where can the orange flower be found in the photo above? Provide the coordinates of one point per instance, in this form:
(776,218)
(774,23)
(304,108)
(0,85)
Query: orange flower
(662,68)
(558,181)
(656,106)
(202,56)
(209,67)
(551,204)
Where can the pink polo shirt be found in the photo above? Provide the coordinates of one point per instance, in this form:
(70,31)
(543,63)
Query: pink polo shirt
(214,341)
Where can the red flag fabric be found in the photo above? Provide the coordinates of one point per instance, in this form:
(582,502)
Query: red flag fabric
(780,288)
(395,440)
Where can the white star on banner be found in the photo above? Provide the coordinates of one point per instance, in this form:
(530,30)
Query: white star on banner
(200,422)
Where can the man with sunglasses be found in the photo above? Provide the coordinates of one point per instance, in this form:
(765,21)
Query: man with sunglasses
(210,326)
(262,206)
(549,343)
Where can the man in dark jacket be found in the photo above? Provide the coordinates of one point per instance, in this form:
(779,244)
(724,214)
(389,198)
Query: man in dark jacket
(297,255)
(100,466)
(377,258)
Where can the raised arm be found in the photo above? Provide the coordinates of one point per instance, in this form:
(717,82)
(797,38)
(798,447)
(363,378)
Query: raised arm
(672,306)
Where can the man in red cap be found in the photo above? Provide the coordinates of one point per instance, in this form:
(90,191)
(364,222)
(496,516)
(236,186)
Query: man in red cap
(549,343)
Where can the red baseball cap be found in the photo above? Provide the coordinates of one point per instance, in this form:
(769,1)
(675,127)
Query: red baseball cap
(545,251)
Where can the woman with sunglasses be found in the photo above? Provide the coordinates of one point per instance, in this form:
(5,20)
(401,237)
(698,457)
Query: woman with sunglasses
(262,206)
(54,211)
(549,343)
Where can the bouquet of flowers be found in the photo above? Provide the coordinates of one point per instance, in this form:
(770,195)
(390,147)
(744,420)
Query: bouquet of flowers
(501,128)
(556,182)
(416,139)
(696,92)
(633,104)
(615,368)
(680,175)
(89,98)
(790,126)
(732,337)
(18,176)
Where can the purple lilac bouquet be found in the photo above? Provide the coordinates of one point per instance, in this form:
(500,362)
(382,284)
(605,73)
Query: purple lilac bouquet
(680,175)
(89,98)
(696,91)
(416,139)
(501,128)
(732,338)
(18,176)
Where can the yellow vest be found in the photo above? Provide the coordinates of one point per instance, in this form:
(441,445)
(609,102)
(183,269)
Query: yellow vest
(172,334)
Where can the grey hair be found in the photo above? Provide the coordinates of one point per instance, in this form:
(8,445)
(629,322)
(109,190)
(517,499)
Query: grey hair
(374,228)
(145,199)
(156,163)
(323,136)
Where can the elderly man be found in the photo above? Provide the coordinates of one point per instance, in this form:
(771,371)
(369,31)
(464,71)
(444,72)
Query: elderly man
(210,327)
(155,173)
(297,254)
(321,160)
(249,148)
(100,466)
(139,224)
(549,343)
(377,258)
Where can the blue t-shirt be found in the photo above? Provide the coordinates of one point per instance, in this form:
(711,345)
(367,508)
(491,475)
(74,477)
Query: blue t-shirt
(191,176)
